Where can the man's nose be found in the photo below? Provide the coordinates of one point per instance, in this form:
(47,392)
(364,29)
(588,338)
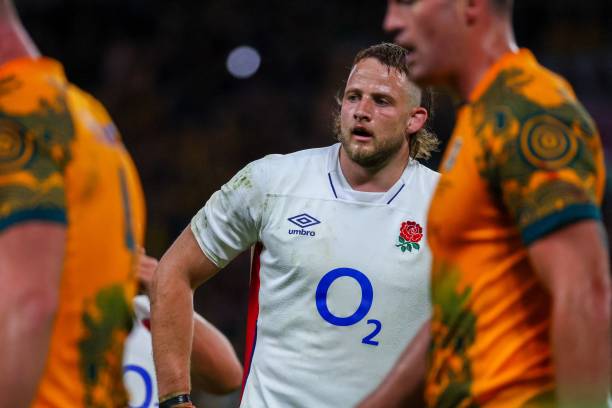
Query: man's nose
(390,22)
(395,19)
(363,110)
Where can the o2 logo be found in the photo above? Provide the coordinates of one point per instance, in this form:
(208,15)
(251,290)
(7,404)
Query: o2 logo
(148,385)
(367,296)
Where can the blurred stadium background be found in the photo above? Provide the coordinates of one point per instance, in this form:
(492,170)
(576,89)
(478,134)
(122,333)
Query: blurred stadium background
(160,69)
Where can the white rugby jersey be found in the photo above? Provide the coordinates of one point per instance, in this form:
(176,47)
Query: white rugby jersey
(138,368)
(337,292)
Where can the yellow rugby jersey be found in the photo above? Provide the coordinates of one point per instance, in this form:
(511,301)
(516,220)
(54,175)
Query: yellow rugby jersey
(61,160)
(524,159)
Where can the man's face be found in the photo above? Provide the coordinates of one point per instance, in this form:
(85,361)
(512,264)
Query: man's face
(431,31)
(375,111)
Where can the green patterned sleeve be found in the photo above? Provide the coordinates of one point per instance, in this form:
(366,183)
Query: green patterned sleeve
(548,169)
(544,162)
(34,150)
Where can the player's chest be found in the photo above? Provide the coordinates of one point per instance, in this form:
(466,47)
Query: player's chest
(325,234)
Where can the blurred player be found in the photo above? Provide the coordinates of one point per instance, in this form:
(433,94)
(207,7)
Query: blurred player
(71,218)
(339,281)
(521,284)
(214,365)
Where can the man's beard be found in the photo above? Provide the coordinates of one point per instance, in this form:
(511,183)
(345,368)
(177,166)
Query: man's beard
(374,156)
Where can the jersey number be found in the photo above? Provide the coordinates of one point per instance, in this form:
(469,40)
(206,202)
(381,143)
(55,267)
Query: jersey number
(127,211)
(367,296)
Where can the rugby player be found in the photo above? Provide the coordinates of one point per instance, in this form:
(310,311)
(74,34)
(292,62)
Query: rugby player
(339,280)
(71,219)
(521,277)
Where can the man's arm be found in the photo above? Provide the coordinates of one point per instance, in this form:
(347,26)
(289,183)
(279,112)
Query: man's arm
(404,385)
(182,268)
(31,257)
(214,365)
(573,265)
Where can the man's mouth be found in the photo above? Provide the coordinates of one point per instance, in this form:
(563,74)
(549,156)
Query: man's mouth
(410,53)
(362,133)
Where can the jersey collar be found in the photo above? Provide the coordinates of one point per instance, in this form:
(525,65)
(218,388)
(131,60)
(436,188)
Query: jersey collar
(340,188)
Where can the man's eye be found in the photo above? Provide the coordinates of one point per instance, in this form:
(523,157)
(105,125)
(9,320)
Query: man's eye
(382,101)
(352,97)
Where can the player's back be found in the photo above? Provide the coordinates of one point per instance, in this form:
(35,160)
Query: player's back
(66,163)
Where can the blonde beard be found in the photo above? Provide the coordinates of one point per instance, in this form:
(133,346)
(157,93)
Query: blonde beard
(375,156)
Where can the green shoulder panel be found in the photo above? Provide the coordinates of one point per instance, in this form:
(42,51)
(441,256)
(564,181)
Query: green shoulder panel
(540,159)
(34,151)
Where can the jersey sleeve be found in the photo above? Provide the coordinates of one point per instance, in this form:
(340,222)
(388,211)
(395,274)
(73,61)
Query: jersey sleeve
(34,150)
(548,167)
(230,221)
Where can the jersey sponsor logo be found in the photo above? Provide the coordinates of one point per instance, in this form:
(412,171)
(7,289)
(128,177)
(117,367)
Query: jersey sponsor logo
(303,221)
(365,303)
(410,235)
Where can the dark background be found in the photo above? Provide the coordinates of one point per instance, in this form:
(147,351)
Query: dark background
(159,68)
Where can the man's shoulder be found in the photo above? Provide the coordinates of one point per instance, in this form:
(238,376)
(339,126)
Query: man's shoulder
(34,108)
(293,163)
(28,86)
(298,157)
(527,96)
(421,185)
(282,173)
(528,81)
(429,175)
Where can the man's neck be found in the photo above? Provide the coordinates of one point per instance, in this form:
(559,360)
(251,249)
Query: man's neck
(372,180)
(489,47)
(16,42)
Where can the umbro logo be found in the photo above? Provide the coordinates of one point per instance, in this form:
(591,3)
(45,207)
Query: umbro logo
(303,221)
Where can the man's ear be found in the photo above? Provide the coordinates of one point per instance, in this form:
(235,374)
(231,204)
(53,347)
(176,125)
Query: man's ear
(417,120)
(472,10)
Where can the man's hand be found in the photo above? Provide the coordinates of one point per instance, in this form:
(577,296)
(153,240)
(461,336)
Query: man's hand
(146,269)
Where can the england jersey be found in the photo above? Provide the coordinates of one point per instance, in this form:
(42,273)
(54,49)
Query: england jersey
(138,368)
(339,280)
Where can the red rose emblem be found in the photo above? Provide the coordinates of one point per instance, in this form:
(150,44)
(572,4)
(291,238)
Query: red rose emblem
(411,231)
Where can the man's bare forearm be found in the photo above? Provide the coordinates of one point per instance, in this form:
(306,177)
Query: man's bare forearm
(172,331)
(404,385)
(183,268)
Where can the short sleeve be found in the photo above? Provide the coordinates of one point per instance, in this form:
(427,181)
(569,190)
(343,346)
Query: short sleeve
(34,150)
(230,221)
(548,167)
